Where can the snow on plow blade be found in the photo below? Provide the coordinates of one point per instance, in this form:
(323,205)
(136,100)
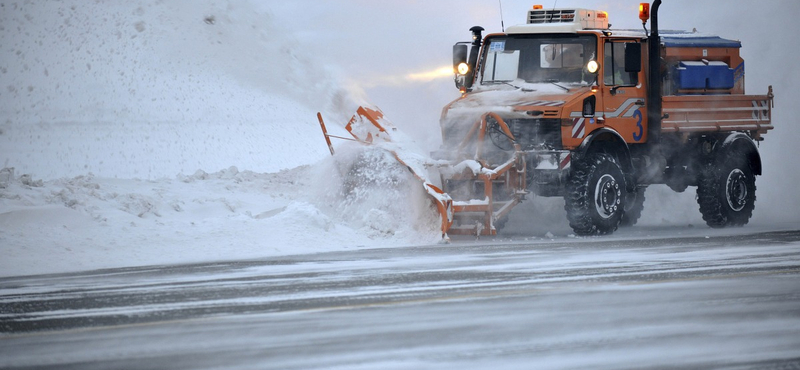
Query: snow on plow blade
(475,215)
(370,128)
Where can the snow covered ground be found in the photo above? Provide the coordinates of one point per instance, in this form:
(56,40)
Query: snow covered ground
(148,133)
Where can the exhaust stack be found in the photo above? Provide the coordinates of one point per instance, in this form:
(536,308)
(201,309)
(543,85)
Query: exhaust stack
(654,104)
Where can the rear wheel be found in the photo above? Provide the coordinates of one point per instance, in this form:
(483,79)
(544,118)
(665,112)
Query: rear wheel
(726,191)
(595,198)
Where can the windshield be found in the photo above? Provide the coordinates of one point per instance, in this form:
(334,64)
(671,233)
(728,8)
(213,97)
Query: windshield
(538,58)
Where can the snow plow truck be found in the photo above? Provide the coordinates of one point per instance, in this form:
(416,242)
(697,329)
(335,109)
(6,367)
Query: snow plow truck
(564,106)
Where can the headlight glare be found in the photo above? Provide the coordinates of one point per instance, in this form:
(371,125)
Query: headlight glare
(463,68)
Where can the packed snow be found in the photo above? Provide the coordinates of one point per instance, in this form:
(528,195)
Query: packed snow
(136,133)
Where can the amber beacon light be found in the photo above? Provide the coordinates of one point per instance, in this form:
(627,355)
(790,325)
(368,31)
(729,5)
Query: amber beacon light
(644,12)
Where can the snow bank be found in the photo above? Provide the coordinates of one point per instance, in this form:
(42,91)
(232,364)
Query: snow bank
(89,222)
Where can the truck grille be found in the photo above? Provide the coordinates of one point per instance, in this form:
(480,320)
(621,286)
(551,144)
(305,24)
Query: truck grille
(536,133)
(530,134)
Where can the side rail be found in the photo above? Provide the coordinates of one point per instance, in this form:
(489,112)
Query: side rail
(714,113)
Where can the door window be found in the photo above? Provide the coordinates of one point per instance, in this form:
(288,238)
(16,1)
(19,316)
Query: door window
(615,74)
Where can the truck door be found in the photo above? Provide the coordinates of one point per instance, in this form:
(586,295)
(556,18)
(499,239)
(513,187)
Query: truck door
(623,91)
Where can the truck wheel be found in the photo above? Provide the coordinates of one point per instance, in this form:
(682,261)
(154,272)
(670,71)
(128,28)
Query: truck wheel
(634,205)
(595,195)
(726,191)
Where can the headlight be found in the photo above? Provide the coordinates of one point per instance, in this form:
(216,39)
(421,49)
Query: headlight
(463,68)
(592,67)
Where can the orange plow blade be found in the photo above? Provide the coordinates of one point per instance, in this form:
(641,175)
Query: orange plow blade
(474,216)
(369,127)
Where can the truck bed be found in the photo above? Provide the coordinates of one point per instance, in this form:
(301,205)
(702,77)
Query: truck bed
(714,113)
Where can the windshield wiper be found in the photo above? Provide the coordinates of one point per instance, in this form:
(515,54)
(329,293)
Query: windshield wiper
(554,83)
(514,86)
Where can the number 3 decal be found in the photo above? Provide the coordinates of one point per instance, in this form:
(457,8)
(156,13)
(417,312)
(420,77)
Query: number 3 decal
(638,135)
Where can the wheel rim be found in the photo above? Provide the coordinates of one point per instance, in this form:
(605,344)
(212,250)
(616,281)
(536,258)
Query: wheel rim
(607,196)
(736,190)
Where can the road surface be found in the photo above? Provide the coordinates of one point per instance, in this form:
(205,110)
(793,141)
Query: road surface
(724,301)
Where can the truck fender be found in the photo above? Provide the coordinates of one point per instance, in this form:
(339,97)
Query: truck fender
(609,141)
(742,141)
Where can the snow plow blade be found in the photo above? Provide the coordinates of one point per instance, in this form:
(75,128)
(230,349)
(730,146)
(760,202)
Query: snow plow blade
(369,127)
(478,212)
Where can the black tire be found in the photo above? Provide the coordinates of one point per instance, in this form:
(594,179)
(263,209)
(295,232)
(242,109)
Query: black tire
(726,191)
(634,205)
(595,198)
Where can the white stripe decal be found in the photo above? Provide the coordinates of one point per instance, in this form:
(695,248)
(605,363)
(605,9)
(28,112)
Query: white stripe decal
(578,128)
(566,162)
(625,107)
(760,110)
(542,103)
(627,104)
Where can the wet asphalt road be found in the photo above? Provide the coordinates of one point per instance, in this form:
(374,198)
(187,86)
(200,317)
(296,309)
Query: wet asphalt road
(727,301)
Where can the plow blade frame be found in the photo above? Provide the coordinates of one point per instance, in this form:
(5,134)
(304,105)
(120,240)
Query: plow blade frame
(369,127)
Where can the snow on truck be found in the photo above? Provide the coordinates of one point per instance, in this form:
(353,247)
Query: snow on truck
(564,106)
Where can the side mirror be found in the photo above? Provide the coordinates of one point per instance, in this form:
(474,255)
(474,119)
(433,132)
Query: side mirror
(633,57)
(465,60)
(460,66)
(460,52)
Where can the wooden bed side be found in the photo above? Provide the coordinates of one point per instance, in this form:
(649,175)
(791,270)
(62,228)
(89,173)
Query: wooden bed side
(717,113)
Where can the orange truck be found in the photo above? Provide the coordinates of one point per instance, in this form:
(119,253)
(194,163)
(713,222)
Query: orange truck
(565,106)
